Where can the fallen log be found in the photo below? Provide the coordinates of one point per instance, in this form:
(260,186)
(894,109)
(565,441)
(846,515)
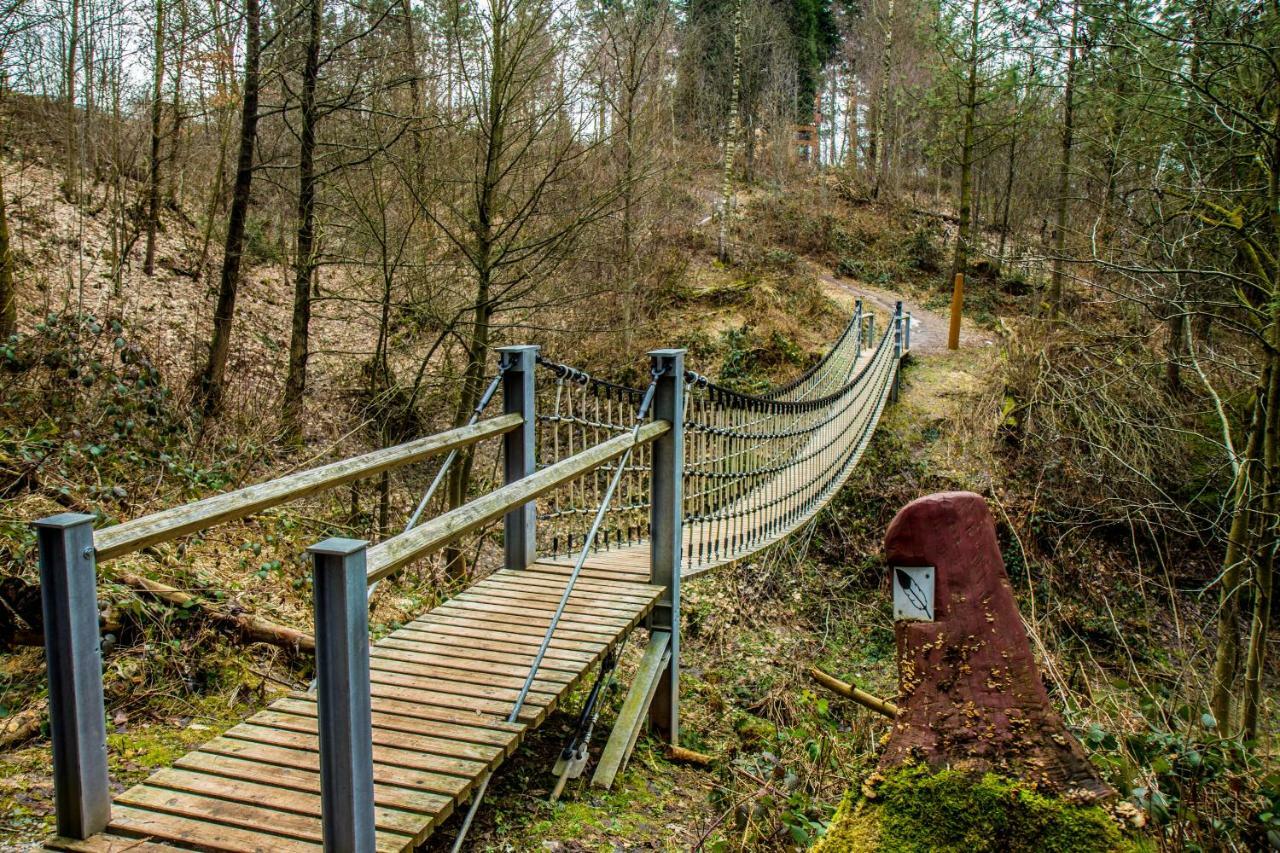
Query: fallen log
(253,628)
(688,756)
(850,691)
(22,726)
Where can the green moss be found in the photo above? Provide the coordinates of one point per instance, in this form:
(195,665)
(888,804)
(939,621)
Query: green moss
(915,809)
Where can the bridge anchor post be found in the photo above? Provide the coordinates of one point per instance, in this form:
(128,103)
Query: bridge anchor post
(897,351)
(73,651)
(666,526)
(519,531)
(345,715)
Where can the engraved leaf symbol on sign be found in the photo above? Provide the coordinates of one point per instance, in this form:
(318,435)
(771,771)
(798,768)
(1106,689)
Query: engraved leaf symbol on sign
(918,597)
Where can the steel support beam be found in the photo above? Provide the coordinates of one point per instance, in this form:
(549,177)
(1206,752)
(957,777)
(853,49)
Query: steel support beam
(342,695)
(73,650)
(519,460)
(666,526)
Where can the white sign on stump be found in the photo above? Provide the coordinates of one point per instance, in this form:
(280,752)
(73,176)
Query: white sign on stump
(913,593)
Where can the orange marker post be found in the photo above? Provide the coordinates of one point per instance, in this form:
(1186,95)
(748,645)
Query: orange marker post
(957,305)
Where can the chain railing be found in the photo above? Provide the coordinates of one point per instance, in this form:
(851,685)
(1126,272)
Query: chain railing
(707,477)
(755,466)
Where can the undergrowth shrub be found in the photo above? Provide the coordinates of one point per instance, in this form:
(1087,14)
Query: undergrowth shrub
(1087,421)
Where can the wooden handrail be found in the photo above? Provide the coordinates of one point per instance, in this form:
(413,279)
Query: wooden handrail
(385,557)
(163,526)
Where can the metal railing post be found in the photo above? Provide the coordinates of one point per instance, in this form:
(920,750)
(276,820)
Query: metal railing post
(857,325)
(73,650)
(906,333)
(897,349)
(519,365)
(342,694)
(666,523)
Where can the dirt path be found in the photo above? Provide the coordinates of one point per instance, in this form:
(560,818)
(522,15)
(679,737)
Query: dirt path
(928,328)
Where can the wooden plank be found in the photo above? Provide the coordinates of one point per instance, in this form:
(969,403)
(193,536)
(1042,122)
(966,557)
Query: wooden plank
(448,648)
(618,590)
(489,700)
(444,703)
(547,677)
(244,816)
(577,604)
(631,717)
(459,626)
(386,557)
(202,834)
(447,632)
(383,660)
(109,844)
(484,757)
(111,542)
(304,759)
(406,717)
(541,613)
(390,796)
(399,756)
(214,811)
(281,798)
(527,623)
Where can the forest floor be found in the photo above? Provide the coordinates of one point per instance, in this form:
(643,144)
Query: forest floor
(784,752)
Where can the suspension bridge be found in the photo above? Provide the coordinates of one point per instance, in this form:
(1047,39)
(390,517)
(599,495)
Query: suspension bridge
(611,496)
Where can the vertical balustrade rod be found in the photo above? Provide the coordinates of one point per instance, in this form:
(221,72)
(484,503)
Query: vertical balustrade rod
(665,529)
(342,695)
(73,651)
(519,457)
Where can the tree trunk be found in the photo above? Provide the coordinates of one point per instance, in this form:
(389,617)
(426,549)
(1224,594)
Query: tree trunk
(731,137)
(8,294)
(1064,168)
(295,385)
(153,172)
(879,158)
(1260,625)
(851,123)
(175,132)
(210,381)
(1008,200)
(1226,661)
(71,184)
(963,235)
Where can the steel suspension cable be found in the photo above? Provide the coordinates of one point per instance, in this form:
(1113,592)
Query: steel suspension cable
(641,414)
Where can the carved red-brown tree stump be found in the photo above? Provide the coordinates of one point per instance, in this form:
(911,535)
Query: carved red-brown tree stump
(971,695)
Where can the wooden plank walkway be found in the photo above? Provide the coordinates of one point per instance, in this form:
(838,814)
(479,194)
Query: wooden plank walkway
(442,688)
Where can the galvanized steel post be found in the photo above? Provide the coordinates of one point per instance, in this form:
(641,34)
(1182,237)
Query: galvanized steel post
(519,459)
(666,526)
(73,650)
(857,326)
(897,348)
(342,695)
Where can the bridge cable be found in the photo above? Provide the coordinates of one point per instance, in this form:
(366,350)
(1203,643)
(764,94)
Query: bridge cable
(641,414)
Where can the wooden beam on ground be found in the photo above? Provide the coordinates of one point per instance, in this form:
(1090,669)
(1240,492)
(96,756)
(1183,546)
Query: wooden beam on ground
(626,729)
(163,526)
(849,691)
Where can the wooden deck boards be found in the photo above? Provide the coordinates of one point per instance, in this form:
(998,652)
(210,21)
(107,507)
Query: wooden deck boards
(442,688)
